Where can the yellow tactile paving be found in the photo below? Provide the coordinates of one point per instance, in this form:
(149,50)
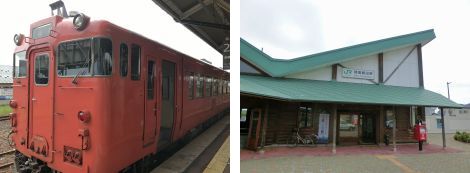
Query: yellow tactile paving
(220,159)
(393,159)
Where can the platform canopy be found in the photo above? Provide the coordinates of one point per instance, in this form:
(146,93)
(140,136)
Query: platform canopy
(340,92)
(208,19)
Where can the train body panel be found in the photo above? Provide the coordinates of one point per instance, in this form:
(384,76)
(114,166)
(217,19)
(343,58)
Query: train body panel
(100,99)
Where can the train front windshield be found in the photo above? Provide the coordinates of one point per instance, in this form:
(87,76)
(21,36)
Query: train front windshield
(87,57)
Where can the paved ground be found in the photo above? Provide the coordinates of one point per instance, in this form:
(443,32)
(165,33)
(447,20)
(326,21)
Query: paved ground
(183,160)
(455,159)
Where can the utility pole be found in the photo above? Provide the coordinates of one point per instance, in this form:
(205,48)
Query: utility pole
(448,93)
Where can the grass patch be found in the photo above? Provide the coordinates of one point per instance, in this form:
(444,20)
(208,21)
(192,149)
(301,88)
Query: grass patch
(4,110)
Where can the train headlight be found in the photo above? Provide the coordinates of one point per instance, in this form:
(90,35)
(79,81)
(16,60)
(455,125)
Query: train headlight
(13,104)
(80,21)
(18,39)
(84,116)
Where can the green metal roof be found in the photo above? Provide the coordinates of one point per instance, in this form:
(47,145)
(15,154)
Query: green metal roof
(281,67)
(340,92)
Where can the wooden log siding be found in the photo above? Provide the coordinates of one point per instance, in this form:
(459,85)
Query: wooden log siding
(283,118)
(404,127)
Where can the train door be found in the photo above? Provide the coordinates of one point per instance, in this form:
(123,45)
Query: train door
(150,118)
(168,103)
(41,104)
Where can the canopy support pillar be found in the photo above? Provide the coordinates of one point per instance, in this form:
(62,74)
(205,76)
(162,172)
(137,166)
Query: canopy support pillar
(334,114)
(443,129)
(394,129)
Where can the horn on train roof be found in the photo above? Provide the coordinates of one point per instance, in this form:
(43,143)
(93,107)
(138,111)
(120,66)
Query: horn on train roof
(59,6)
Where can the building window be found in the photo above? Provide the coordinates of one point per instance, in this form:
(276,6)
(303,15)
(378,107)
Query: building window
(199,86)
(243,114)
(135,62)
(41,70)
(389,119)
(208,86)
(191,86)
(123,59)
(439,123)
(305,116)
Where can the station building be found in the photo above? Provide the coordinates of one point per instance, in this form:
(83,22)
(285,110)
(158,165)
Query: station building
(348,96)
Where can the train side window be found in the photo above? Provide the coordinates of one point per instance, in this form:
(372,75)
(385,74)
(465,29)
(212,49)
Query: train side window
(214,86)
(103,60)
(224,86)
(135,62)
(124,59)
(199,86)
(228,87)
(219,87)
(191,85)
(208,86)
(41,70)
(21,64)
(150,80)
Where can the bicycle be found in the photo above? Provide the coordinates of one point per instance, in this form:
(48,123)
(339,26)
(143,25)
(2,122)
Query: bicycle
(296,138)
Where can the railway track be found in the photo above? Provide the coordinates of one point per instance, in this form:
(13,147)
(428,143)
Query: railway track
(4,118)
(8,164)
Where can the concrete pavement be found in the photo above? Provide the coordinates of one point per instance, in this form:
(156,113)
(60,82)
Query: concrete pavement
(369,162)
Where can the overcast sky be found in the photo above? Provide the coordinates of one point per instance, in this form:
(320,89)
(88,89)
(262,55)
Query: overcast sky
(289,29)
(143,17)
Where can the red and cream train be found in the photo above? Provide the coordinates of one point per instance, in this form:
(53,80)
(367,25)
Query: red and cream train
(90,96)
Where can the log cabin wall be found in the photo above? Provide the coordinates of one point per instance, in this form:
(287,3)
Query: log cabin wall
(283,118)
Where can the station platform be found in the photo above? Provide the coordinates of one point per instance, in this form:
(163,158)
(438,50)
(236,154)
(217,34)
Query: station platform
(209,152)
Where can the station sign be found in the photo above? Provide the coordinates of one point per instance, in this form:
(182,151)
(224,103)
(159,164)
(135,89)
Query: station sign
(226,56)
(358,73)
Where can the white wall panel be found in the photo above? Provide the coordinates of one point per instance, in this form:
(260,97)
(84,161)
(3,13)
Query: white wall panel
(365,63)
(408,73)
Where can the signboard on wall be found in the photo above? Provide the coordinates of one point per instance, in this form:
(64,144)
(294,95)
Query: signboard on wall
(323,127)
(358,73)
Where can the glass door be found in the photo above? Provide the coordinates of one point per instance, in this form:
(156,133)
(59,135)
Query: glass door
(348,128)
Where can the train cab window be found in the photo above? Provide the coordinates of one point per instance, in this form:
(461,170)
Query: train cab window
(20,64)
(123,59)
(199,87)
(208,86)
(74,58)
(41,70)
(191,86)
(135,62)
(150,80)
(103,59)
